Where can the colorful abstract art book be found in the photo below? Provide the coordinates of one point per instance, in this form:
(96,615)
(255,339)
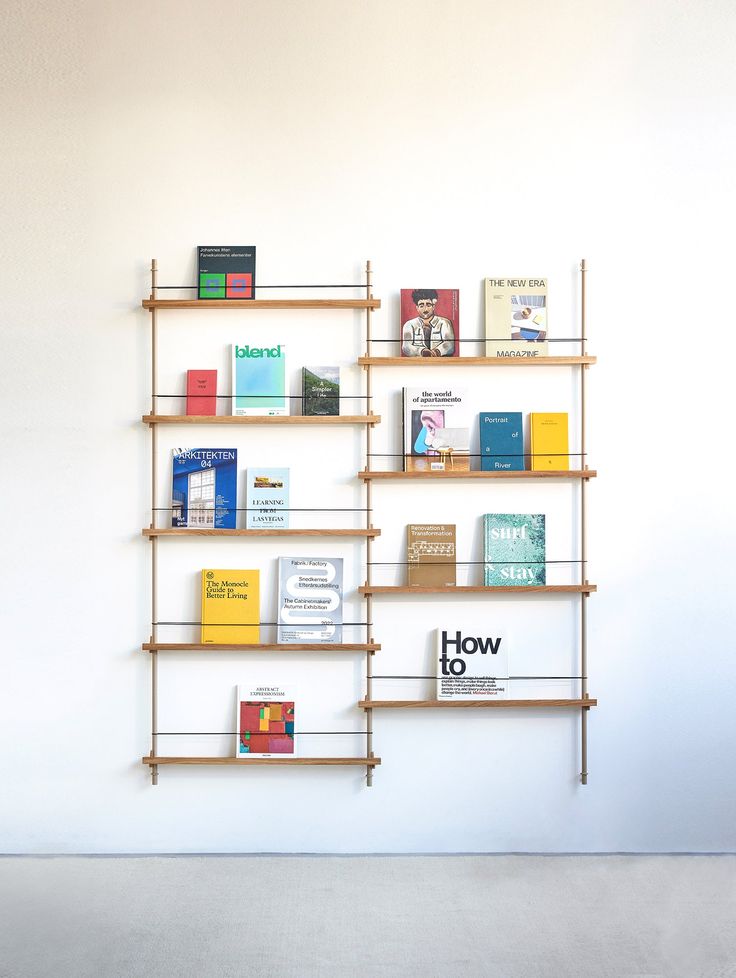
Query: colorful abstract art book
(226,272)
(501,442)
(321,391)
(514,549)
(204,485)
(202,392)
(472,666)
(265,717)
(549,442)
(267,499)
(230,607)
(430,554)
(436,437)
(310,600)
(259,380)
(430,323)
(516,317)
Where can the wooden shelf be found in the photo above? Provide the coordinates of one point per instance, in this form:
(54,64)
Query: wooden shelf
(296,647)
(190,532)
(342,419)
(526,474)
(261,303)
(475,361)
(259,761)
(473,704)
(482,589)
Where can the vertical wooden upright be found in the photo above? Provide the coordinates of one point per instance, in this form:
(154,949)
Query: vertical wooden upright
(583,541)
(369,523)
(154,539)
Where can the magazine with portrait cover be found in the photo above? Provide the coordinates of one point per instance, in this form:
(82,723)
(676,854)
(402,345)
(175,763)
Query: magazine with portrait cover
(430,322)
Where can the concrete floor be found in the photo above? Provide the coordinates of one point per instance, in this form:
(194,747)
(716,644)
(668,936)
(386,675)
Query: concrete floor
(330,916)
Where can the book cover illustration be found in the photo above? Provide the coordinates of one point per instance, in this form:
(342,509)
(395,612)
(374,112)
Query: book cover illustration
(267,499)
(230,607)
(259,380)
(310,600)
(514,549)
(436,438)
(320,391)
(516,317)
(204,488)
(431,554)
(226,272)
(265,716)
(549,438)
(501,442)
(202,392)
(472,667)
(430,322)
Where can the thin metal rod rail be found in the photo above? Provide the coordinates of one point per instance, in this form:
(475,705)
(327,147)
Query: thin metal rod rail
(556,339)
(469,455)
(236,733)
(267,509)
(291,397)
(508,678)
(194,288)
(583,542)
(222,624)
(466,563)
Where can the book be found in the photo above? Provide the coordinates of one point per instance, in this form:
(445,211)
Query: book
(436,438)
(202,392)
(549,442)
(310,600)
(514,549)
(501,442)
(320,391)
(230,607)
(430,322)
(204,485)
(259,380)
(472,667)
(516,317)
(265,717)
(226,272)
(430,551)
(267,499)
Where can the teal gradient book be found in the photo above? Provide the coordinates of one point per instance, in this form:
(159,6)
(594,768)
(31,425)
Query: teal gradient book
(514,549)
(501,442)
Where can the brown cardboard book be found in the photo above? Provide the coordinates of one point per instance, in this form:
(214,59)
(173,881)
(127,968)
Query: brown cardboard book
(431,556)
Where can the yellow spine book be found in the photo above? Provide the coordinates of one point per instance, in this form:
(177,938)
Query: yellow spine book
(230,607)
(549,442)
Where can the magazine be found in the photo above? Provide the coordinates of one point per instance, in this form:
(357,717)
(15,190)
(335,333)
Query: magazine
(310,600)
(204,488)
(265,719)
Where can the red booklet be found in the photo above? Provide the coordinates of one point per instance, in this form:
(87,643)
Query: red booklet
(201,391)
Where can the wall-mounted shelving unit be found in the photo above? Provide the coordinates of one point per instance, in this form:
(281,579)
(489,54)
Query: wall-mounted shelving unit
(369,591)
(155,305)
(578,477)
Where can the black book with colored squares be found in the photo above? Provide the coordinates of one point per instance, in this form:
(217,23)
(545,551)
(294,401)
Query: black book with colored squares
(226,272)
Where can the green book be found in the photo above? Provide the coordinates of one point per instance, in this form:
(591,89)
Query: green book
(513,549)
(320,391)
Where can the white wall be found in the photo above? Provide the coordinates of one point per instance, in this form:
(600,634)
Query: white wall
(445,142)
